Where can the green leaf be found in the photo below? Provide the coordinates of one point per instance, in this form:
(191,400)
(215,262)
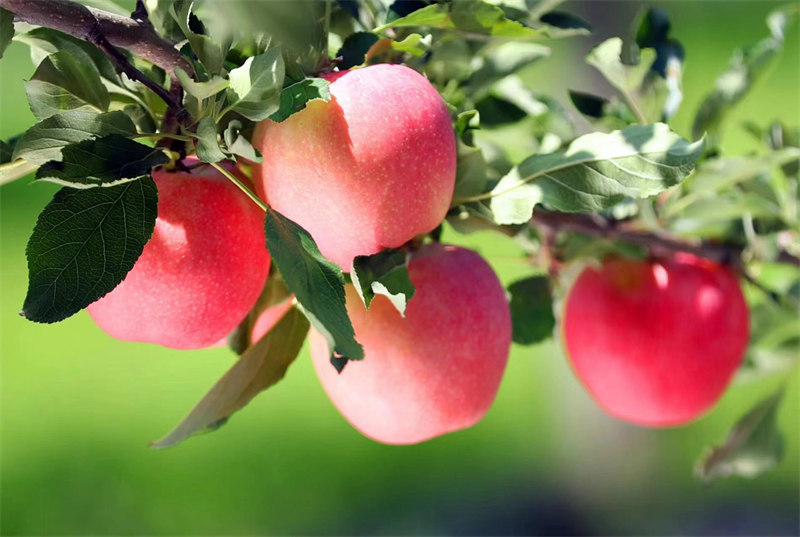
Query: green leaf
(604,113)
(606,58)
(433,15)
(295,97)
(746,66)
(44,141)
(754,445)
(531,304)
(77,75)
(102,162)
(384,273)
(260,367)
(209,52)
(716,175)
(238,144)
(474,17)
(597,171)
(6,29)
(201,90)
(45,41)
(471,172)
(273,294)
(46,99)
(501,61)
(318,284)
(83,245)
(562,24)
(414,44)
(255,90)
(207,145)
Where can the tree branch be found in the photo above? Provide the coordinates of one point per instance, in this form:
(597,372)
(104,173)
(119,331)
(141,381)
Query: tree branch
(80,21)
(598,226)
(107,31)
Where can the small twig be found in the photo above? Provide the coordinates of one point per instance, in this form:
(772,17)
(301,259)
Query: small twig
(235,180)
(97,38)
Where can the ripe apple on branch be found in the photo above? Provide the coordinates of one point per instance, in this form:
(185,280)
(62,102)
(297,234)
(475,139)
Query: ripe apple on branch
(265,171)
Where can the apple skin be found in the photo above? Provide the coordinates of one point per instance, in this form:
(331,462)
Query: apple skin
(433,372)
(370,169)
(656,342)
(202,270)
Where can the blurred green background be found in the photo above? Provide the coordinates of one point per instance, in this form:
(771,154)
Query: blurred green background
(79,408)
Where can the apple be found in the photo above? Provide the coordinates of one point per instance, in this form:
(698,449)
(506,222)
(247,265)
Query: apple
(370,169)
(202,270)
(656,342)
(434,371)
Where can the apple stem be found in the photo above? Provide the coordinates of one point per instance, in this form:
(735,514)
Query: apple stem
(241,185)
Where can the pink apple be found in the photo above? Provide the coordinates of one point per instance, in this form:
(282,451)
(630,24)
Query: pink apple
(369,170)
(656,342)
(433,372)
(200,273)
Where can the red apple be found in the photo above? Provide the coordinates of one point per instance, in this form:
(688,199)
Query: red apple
(200,273)
(370,169)
(656,342)
(433,372)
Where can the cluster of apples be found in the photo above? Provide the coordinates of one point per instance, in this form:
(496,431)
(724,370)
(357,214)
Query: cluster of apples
(374,168)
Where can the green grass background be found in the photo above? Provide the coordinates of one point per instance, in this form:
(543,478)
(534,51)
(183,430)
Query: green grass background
(78,409)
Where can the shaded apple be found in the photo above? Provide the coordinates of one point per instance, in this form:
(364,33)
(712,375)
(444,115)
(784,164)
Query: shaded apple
(656,342)
(370,169)
(202,270)
(433,372)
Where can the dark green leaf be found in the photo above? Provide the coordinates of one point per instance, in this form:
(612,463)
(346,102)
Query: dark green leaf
(44,141)
(84,244)
(207,145)
(238,144)
(566,21)
(295,97)
(46,99)
(209,52)
(317,283)
(471,172)
(6,152)
(605,113)
(384,273)
(255,90)
(354,49)
(596,171)
(76,74)
(260,367)
(6,29)
(45,41)
(102,162)
(531,306)
(754,445)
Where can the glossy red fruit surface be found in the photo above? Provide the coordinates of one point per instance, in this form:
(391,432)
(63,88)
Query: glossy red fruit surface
(656,342)
(370,169)
(433,372)
(200,273)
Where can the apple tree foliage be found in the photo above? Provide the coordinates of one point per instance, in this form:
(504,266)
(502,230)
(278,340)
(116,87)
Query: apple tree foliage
(99,133)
